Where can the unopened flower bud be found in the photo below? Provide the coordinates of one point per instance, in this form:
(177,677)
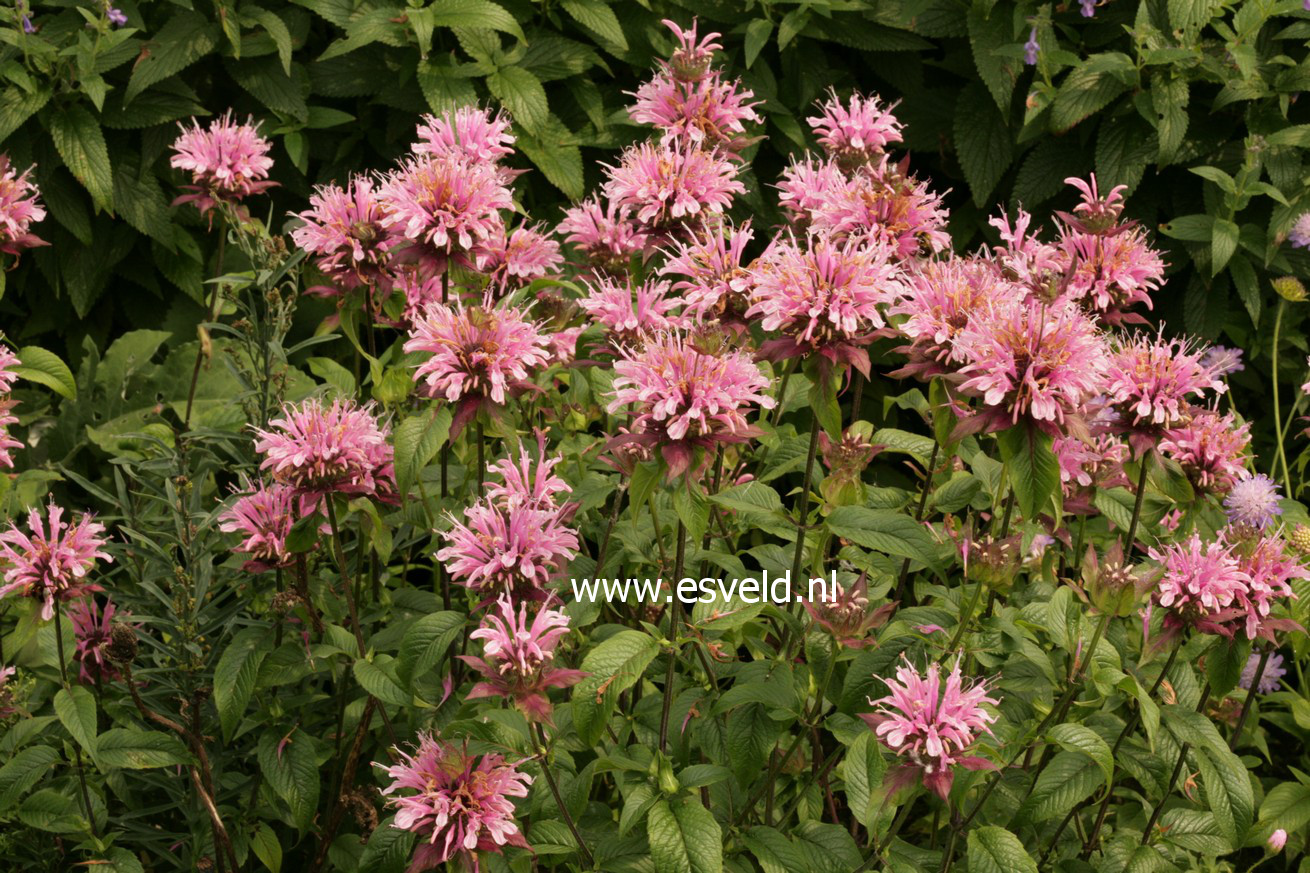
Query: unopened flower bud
(122,644)
(1276,841)
(1290,289)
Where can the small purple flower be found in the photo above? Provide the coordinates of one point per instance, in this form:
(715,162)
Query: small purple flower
(117,17)
(1089,7)
(1299,236)
(1270,679)
(1253,502)
(1221,361)
(1032,47)
(29,27)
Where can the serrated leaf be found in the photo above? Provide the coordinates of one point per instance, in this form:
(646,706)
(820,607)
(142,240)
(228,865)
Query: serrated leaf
(46,368)
(81,143)
(417,440)
(289,765)
(17,105)
(76,708)
(133,749)
(1080,738)
(22,771)
(235,675)
(522,94)
(885,531)
(264,843)
(612,667)
(554,150)
(1034,469)
(995,850)
(426,643)
(1089,87)
(474,14)
(184,39)
(389,848)
(381,684)
(684,837)
(597,17)
(982,142)
(990,31)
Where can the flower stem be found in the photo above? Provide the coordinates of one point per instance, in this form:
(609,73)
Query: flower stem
(482,465)
(77,749)
(948,859)
(902,591)
(1281,455)
(540,736)
(1173,779)
(1130,538)
(803,511)
(215,296)
(1250,696)
(674,609)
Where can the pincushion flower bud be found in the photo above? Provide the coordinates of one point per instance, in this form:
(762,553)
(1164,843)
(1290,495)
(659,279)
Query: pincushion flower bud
(1290,289)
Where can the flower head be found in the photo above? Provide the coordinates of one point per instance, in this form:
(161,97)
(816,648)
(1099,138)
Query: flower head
(498,546)
(116,16)
(713,280)
(228,161)
(1278,838)
(1253,502)
(856,131)
(521,255)
(344,228)
(845,614)
(518,656)
(885,202)
(460,805)
(469,133)
(1110,273)
(443,206)
(938,300)
(1219,361)
(264,516)
(692,58)
(930,724)
(1027,359)
(319,449)
(709,112)
(629,313)
(1211,448)
(526,481)
(1152,380)
(823,296)
(686,396)
(1299,236)
(20,208)
(92,628)
(476,354)
(668,185)
(806,186)
(1270,680)
(1031,48)
(53,560)
(606,235)
(8,375)
(1023,257)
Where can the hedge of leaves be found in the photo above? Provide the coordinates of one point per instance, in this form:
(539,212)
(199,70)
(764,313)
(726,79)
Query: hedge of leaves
(303,593)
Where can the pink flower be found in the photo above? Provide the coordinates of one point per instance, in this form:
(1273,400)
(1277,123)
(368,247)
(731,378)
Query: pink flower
(319,450)
(608,237)
(51,563)
(1111,273)
(885,203)
(518,657)
(20,208)
(668,186)
(460,804)
(1271,569)
(228,161)
(687,397)
(8,376)
(823,296)
(522,254)
(1024,258)
(1026,359)
(691,59)
(1277,840)
(1151,380)
(806,186)
(714,283)
(1098,462)
(344,228)
(477,355)
(705,113)
(502,547)
(1299,236)
(931,725)
(857,131)
(845,614)
(938,301)
(1095,214)
(265,517)
(470,133)
(629,313)
(92,628)
(444,206)
(524,483)
(1211,448)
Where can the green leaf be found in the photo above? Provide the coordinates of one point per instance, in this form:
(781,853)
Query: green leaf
(184,39)
(277,30)
(1080,738)
(1034,469)
(81,143)
(264,843)
(444,87)
(25,769)
(1070,778)
(234,677)
(1247,284)
(46,368)
(76,708)
(824,405)
(862,772)
(1192,228)
(995,850)
(263,78)
(381,684)
(474,14)
(757,37)
(886,531)
(612,667)
(684,837)
(291,768)
(597,17)
(1223,242)
(17,105)
(425,643)
(555,151)
(1124,146)
(522,95)
(133,749)
(1169,98)
(1286,806)
(417,440)
(1224,664)
(982,142)
(388,849)
(990,30)
(693,511)
(1090,87)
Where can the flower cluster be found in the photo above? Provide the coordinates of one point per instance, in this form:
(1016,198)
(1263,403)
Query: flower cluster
(53,561)
(319,450)
(228,161)
(518,654)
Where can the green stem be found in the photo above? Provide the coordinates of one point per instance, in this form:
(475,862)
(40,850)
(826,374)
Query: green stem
(77,749)
(540,737)
(1130,538)
(1250,696)
(803,511)
(1278,422)
(215,296)
(902,589)
(675,609)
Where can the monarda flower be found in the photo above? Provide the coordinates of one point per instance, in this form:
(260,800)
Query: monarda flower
(8,362)
(855,132)
(499,547)
(607,236)
(320,450)
(459,805)
(528,482)
(228,162)
(92,628)
(931,725)
(711,276)
(1110,273)
(20,208)
(442,207)
(1270,680)
(1024,258)
(1095,463)
(692,58)
(469,133)
(672,186)
(630,313)
(1211,448)
(520,255)
(938,301)
(477,356)
(518,657)
(824,297)
(845,614)
(888,204)
(686,397)
(343,227)
(1030,360)
(264,516)
(1265,559)
(52,561)
(1152,381)
(805,187)
(1252,502)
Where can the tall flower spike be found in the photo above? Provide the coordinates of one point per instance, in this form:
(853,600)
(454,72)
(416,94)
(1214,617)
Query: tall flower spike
(518,657)
(228,161)
(476,356)
(931,724)
(320,449)
(457,804)
(687,398)
(53,561)
(20,208)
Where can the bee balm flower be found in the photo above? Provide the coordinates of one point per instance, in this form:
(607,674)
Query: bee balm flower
(51,562)
(265,517)
(460,804)
(857,131)
(344,228)
(228,162)
(319,449)
(469,133)
(1211,448)
(518,657)
(443,206)
(668,186)
(20,208)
